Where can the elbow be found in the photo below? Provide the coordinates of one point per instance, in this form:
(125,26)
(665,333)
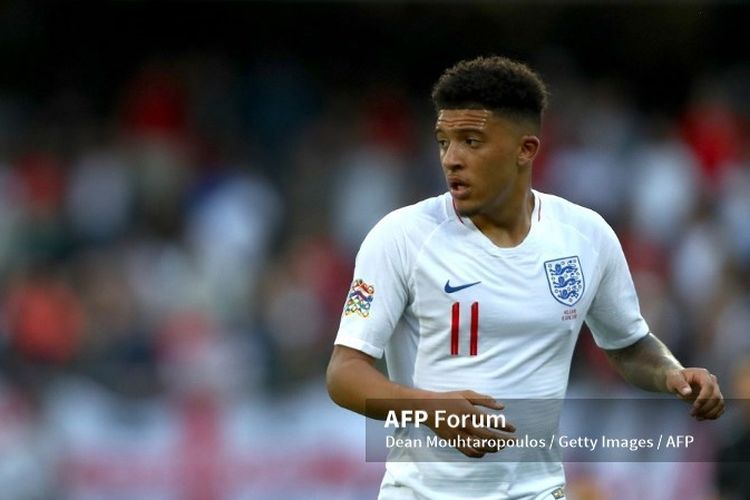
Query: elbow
(332,384)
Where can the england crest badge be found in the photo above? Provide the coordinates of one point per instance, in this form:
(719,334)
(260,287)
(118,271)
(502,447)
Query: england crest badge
(565,279)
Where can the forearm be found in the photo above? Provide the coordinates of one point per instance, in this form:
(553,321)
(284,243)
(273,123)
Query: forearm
(354,383)
(645,363)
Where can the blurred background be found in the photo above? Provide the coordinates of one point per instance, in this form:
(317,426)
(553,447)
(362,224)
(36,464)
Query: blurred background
(184,186)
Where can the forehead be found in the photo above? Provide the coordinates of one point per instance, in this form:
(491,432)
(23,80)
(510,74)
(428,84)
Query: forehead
(456,119)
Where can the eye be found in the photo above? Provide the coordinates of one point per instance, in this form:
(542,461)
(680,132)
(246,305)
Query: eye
(443,143)
(472,142)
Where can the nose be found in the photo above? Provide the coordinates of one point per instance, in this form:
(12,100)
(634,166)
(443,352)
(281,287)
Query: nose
(451,159)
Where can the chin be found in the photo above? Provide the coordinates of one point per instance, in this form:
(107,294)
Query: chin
(465,209)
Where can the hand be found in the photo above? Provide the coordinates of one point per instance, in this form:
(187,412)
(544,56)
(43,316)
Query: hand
(699,386)
(462,403)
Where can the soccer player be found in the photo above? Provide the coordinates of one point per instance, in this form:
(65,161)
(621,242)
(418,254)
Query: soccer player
(478,295)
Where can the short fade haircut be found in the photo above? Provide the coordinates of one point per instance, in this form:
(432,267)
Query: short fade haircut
(506,87)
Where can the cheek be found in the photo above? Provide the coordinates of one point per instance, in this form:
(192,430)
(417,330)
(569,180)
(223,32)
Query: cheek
(492,168)
(496,179)
(501,165)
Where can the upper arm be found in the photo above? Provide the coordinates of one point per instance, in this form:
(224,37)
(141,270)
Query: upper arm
(343,354)
(379,292)
(352,378)
(615,316)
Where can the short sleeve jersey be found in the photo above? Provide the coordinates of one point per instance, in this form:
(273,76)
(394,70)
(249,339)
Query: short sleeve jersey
(451,310)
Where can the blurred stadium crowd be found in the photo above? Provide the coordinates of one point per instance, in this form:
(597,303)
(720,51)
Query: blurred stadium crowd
(174,267)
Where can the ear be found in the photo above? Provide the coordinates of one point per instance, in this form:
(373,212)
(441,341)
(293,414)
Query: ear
(529,147)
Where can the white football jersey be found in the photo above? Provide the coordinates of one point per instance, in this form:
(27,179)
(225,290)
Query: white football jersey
(451,311)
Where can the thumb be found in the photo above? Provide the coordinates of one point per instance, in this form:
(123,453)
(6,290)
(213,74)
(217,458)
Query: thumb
(685,390)
(679,384)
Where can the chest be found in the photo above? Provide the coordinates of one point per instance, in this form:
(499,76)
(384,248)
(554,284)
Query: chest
(460,287)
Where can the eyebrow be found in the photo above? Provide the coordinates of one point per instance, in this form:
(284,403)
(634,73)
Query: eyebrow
(470,127)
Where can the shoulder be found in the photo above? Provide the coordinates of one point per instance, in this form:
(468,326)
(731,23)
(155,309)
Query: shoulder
(413,221)
(564,212)
(399,236)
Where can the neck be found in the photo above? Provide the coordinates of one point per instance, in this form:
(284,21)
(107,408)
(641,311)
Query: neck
(508,225)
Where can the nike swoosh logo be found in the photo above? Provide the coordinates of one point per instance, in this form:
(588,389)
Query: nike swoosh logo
(451,289)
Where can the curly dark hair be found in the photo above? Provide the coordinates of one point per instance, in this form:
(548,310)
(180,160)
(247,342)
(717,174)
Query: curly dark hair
(499,84)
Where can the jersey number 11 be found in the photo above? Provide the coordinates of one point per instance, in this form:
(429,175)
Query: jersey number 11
(474,329)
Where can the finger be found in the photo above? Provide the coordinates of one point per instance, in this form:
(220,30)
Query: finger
(470,451)
(706,407)
(708,395)
(474,442)
(508,427)
(488,446)
(706,384)
(495,421)
(496,445)
(483,439)
(715,412)
(488,433)
(488,442)
(709,405)
(478,399)
(721,412)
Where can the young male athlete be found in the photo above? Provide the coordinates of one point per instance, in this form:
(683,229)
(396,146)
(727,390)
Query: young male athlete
(478,295)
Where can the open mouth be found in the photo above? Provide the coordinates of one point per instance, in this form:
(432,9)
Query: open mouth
(459,189)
